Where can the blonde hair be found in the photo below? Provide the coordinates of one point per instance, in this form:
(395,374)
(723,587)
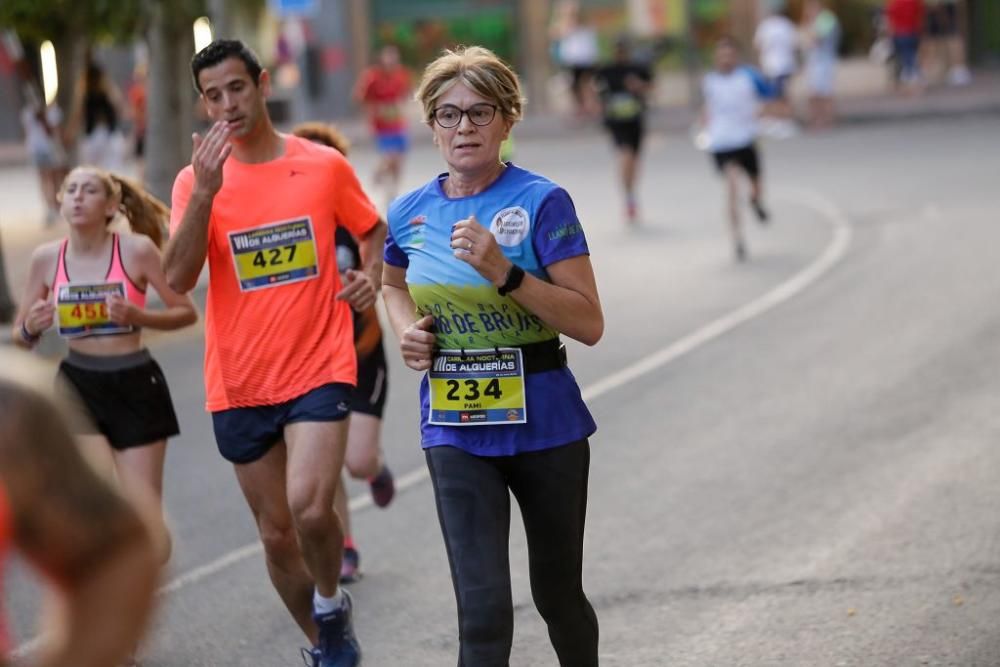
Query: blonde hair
(145,213)
(478,68)
(322,133)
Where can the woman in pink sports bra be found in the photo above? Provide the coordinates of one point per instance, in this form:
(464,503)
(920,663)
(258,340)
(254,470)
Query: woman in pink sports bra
(92,288)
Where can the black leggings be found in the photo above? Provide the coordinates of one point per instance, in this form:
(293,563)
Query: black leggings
(473,506)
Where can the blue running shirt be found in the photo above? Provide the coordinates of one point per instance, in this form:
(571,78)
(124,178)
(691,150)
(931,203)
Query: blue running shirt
(536,225)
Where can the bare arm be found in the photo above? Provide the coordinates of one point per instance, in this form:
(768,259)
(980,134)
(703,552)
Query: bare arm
(371,252)
(187,248)
(415,334)
(36,312)
(361,287)
(93,545)
(569,304)
(179,312)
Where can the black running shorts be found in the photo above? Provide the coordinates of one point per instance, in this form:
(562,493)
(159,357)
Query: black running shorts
(746,158)
(125,396)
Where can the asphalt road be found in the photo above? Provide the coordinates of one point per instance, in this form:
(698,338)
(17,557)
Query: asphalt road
(809,479)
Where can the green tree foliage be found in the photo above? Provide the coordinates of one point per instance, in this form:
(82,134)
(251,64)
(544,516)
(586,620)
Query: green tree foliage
(97,20)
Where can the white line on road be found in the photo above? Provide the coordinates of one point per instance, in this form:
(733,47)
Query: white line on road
(834,252)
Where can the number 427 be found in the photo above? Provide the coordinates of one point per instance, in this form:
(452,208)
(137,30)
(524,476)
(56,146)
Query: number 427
(274,256)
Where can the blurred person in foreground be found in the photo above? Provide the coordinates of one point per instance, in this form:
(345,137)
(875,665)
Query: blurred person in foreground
(480,306)
(624,85)
(365,458)
(93,548)
(383,88)
(732,93)
(821,33)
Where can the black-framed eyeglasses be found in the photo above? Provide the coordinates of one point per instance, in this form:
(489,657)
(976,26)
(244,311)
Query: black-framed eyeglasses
(449,116)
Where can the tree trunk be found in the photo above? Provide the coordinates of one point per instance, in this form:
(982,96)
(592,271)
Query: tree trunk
(170,96)
(70,50)
(7,305)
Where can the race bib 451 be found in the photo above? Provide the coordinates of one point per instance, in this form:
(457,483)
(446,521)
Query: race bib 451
(276,254)
(82,309)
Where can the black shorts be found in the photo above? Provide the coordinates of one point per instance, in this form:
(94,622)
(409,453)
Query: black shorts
(942,20)
(369,396)
(745,157)
(126,396)
(626,134)
(779,86)
(243,435)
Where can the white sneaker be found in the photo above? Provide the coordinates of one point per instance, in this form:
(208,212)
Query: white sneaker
(959,76)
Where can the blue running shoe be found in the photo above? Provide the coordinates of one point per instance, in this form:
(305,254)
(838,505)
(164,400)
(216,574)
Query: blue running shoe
(350,566)
(338,647)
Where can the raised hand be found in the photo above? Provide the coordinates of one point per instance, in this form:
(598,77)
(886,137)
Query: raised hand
(208,154)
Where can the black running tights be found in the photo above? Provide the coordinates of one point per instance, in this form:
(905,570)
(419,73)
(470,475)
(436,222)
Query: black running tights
(473,503)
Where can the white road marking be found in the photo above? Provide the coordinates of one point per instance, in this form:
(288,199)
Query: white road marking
(834,252)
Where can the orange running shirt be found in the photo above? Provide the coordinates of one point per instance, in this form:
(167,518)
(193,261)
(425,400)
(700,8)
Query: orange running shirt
(273,330)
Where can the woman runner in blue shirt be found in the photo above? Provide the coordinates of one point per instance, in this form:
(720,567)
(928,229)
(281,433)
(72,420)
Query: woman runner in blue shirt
(485,266)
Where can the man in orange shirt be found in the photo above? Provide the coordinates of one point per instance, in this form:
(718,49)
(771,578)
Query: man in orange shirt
(263,208)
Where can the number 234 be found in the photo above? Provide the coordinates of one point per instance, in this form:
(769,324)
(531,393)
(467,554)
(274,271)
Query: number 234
(472,390)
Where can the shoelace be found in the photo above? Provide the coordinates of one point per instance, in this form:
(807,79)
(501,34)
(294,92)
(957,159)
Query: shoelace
(310,657)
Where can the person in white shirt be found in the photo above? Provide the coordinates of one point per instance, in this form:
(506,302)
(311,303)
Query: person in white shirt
(732,93)
(776,40)
(45,149)
(577,50)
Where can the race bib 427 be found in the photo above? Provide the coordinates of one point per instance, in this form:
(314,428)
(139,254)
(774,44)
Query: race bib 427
(276,254)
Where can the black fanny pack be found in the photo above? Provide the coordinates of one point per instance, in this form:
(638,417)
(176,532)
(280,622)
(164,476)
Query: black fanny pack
(548,355)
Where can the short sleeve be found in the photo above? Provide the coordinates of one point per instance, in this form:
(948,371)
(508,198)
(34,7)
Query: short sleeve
(557,233)
(353,208)
(393,254)
(761,84)
(180,196)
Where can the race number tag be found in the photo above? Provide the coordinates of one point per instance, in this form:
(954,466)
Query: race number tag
(477,387)
(273,255)
(623,106)
(82,309)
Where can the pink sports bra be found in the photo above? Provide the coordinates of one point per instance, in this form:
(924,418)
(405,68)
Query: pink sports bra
(116,274)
